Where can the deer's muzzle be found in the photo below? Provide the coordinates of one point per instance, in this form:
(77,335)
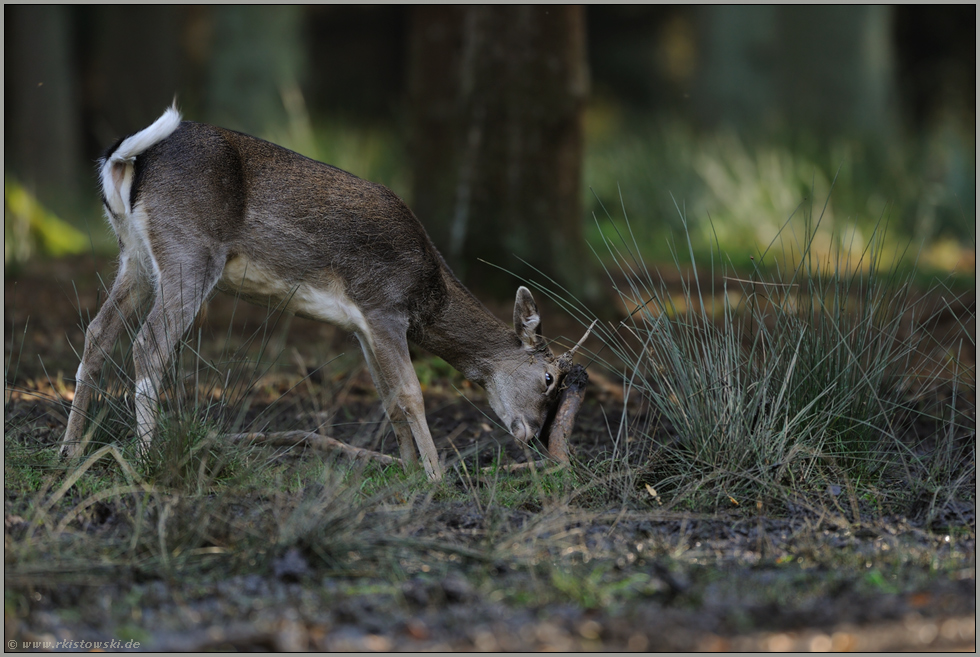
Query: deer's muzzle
(523,431)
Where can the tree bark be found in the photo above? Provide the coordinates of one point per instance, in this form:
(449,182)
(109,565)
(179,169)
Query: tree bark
(497,95)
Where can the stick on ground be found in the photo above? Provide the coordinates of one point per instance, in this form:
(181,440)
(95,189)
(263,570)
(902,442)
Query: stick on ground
(314,440)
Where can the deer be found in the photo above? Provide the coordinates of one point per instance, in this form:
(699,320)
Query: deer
(197,208)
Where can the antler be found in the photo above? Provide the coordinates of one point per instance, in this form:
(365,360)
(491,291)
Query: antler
(565,360)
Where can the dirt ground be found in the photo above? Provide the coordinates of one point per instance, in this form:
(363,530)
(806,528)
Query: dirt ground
(733,581)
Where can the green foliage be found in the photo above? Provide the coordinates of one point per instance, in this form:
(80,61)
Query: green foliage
(376,479)
(598,586)
(29,228)
(739,190)
(433,369)
(25,468)
(491,486)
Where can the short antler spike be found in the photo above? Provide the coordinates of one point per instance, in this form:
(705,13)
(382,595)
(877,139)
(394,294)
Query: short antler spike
(565,360)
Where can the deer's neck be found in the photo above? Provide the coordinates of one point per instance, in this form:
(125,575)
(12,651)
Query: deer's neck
(465,334)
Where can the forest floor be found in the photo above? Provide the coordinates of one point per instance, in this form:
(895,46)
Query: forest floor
(297,558)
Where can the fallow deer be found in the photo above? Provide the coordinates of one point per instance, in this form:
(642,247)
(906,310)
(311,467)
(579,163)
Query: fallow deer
(197,208)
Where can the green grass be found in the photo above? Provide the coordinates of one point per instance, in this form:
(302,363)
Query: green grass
(778,389)
(786,383)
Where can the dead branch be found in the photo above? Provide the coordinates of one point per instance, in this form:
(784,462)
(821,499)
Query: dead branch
(314,440)
(546,467)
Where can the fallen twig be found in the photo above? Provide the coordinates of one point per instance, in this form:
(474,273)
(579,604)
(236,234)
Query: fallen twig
(314,440)
(548,466)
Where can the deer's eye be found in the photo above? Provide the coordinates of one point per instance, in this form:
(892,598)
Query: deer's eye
(548,379)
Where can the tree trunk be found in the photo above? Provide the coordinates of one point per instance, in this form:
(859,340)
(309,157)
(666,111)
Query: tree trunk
(127,91)
(497,97)
(42,118)
(824,67)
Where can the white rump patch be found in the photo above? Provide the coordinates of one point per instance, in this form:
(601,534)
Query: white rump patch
(117,169)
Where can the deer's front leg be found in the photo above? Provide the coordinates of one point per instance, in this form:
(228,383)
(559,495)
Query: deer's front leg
(118,310)
(386,351)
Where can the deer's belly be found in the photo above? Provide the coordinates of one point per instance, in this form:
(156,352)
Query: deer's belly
(323,299)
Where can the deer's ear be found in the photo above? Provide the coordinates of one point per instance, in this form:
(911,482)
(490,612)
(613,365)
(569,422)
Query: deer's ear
(527,322)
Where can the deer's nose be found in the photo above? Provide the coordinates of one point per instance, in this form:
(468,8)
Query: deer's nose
(521,430)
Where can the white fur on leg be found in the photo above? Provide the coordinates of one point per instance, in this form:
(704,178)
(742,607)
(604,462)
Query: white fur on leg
(146,411)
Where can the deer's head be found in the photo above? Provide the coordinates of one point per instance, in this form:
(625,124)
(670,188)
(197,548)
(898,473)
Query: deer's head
(525,384)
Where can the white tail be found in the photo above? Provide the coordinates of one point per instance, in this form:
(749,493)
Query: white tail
(197,207)
(116,170)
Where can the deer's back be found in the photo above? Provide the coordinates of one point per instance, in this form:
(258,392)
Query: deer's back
(283,221)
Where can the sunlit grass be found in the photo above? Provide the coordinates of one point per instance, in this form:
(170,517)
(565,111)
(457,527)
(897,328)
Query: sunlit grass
(737,190)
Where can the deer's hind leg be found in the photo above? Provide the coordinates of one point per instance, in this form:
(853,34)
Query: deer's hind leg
(182,287)
(129,289)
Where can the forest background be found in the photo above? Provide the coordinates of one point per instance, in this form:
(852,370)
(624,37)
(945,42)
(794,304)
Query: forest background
(509,129)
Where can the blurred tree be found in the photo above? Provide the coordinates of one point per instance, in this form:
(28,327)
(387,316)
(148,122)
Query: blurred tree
(497,96)
(131,68)
(258,53)
(825,67)
(496,93)
(937,63)
(357,60)
(41,119)
(643,55)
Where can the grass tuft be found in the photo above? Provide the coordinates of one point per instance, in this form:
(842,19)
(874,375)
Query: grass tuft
(788,385)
